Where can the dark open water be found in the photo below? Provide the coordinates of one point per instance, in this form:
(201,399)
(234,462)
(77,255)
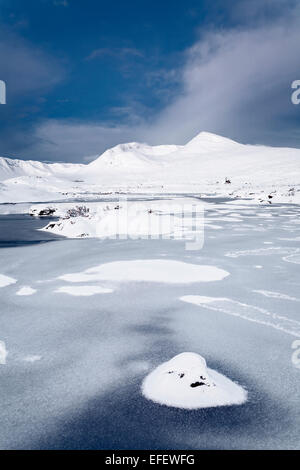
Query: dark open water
(22,229)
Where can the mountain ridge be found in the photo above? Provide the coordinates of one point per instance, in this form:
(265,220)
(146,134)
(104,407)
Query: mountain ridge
(205,162)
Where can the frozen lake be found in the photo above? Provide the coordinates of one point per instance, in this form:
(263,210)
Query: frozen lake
(76,362)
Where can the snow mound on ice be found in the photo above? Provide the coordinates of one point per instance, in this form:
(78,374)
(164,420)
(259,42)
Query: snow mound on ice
(156,270)
(6,280)
(3,353)
(186,382)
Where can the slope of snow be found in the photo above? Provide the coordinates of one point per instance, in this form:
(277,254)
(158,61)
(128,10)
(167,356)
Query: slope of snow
(132,157)
(207,164)
(186,382)
(10,168)
(208,142)
(29,181)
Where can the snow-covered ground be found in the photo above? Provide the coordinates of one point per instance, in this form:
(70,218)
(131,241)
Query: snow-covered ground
(208,164)
(84,322)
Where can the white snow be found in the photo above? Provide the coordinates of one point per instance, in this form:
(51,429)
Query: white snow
(149,270)
(3,353)
(6,280)
(127,219)
(258,173)
(261,252)
(26,290)
(186,382)
(32,358)
(276,295)
(294,258)
(83,290)
(246,312)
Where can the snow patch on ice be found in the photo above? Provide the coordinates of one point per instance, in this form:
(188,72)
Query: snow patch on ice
(3,353)
(6,280)
(32,358)
(26,290)
(276,295)
(156,270)
(295,258)
(295,239)
(246,312)
(260,251)
(186,382)
(83,290)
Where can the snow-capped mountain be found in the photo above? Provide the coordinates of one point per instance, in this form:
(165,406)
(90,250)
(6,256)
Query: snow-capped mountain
(13,168)
(132,156)
(207,157)
(206,164)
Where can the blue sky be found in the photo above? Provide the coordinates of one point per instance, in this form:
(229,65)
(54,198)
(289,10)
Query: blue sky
(83,75)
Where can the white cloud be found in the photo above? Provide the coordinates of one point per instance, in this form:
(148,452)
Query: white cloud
(235,82)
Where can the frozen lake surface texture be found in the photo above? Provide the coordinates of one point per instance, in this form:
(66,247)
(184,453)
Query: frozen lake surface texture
(84,322)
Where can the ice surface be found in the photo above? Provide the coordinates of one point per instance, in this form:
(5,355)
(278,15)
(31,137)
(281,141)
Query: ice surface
(247,312)
(95,351)
(185,382)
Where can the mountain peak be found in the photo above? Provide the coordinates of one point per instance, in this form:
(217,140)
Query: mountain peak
(209,139)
